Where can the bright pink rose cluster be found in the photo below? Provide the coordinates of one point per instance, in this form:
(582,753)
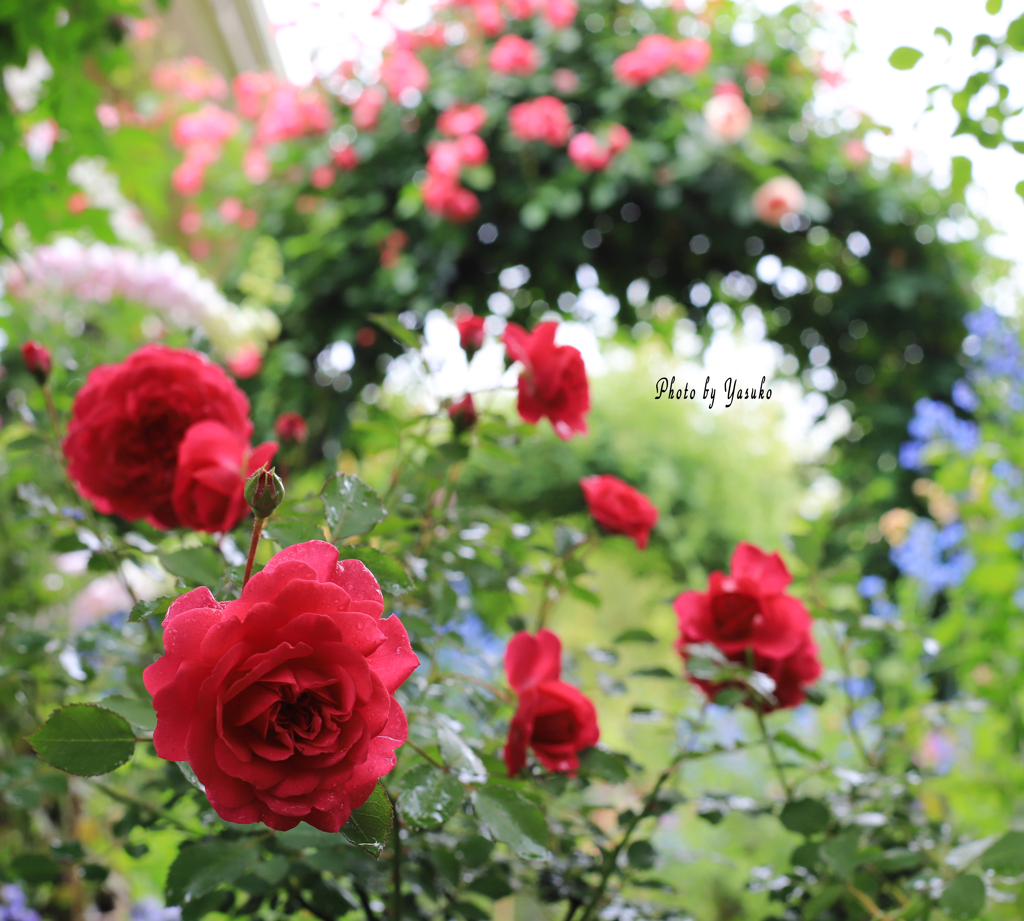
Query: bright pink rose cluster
(164,436)
(593,155)
(750,618)
(490,15)
(202,136)
(656,55)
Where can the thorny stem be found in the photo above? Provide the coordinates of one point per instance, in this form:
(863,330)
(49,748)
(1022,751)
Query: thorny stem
(312,909)
(611,860)
(850,706)
(364,900)
(257,530)
(548,598)
(396,866)
(419,751)
(52,410)
(772,754)
(130,800)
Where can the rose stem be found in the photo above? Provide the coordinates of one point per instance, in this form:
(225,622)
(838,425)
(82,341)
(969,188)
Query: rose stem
(396,866)
(52,410)
(257,530)
(771,751)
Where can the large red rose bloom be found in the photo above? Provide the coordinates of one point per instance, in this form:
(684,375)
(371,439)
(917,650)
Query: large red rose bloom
(129,419)
(747,609)
(553,718)
(283,701)
(792,675)
(554,380)
(619,508)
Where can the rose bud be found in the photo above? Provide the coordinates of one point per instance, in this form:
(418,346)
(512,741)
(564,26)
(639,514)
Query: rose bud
(37,360)
(471,334)
(553,718)
(463,414)
(619,508)
(264,492)
(292,427)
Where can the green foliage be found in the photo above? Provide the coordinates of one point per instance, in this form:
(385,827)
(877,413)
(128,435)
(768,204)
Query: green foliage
(369,825)
(430,797)
(351,506)
(512,819)
(905,58)
(85,739)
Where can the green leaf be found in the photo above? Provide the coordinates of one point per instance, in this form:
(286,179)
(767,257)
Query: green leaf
(201,868)
(286,532)
(582,594)
(369,825)
(1019,189)
(899,860)
(794,744)
(388,571)
(429,797)
(195,566)
(805,816)
(394,328)
(84,739)
(964,898)
(1015,34)
(513,820)
(993,6)
(1006,855)
(658,671)
(841,854)
(351,506)
(962,169)
(35,869)
(606,765)
(636,636)
(139,713)
(946,34)
(144,609)
(641,855)
(904,57)
(824,899)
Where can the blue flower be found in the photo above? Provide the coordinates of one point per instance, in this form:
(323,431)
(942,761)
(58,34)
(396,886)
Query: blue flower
(1009,472)
(871,586)
(933,557)
(964,397)
(885,609)
(911,455)
(859,687)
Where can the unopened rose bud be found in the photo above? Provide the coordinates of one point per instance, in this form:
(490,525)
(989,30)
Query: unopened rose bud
(463,414)
(471,333)
(264,492)
(37,360)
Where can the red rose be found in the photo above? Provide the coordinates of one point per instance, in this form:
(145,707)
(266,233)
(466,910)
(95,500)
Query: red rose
(37,360)
(746,609)
(291,427)
(545,118)
(471,333)
(129,419)
(282,701)
(553,718)
(619,508)
(209,482)
(462,118)
(514,55)
(792,675)
(554,380)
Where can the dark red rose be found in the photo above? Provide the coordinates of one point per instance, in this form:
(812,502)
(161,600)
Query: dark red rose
(619,508)
(292,426)
(746,609)
(471,333)
(283,701)
(37,360)
(209,482)
(553,718)
(792,675)
(554,380)
(463,414)
(128,420)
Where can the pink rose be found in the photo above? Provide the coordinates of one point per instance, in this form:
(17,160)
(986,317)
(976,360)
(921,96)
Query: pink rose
(588,153)
(462,118)
(472,150)
(692,55)
(367,108)
(542,119)
(514,55)
(777,198)
(727,117)
(403,70)
(561,13)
